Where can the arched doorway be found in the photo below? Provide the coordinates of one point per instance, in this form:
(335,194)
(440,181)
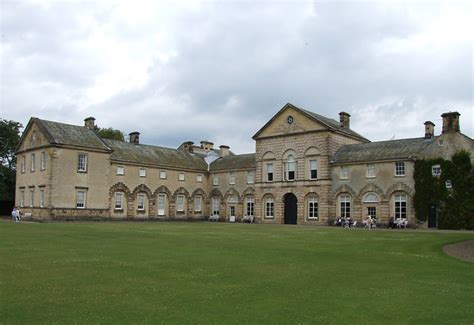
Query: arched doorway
(291,208)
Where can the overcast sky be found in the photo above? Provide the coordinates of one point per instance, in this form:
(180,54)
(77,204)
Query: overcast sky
(220,70)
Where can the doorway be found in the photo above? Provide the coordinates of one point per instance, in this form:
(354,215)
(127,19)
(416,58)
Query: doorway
(291,209)
(433,217)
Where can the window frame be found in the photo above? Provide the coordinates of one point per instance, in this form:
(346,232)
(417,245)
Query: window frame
(399,168)
(82,167)
(371,171)
(141,199)
(43,160)
(181,177)
(402,201)
(436,170)
(116,195)
(345,205)
(84,198)
(312,207)
(158,210)
(269,207)
(232,178)
(198,203)
(311,169)
(215,180)
(250,177)
(142,172)
(344,172)
(199,178)
(269,171)
(23,164)
(120,170)
(250,206)
(163,174)
(32,197)
(180,205)
(216,205)
(22,198)
(33,162)
(291,168)
(41,198)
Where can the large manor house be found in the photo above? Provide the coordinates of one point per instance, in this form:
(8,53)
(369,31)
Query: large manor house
(306,169)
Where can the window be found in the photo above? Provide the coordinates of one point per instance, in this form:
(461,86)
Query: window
(199,178)
(249,211)
(372,212)
(41,203)
(313,169)
(400,206)
(215,206)
(197,203)
(250,177)
(291,168)
(142,172)
(82,162)
(22,198)
(448,184)
(180,203)
(344,172)
(232,178)
(345,201)
(312,207)
(269,207)
(32,162)
(215,180)
(141,202)
(163,174)
(120,170)
(118,200)
(32,197)
(80,199)
(23,164)
(161,204)
(270,172)
(436,170)
(370,171)
(181,177)
(43,160)
(371,198)
(400,168)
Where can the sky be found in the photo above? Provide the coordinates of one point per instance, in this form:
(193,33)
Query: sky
(179,71)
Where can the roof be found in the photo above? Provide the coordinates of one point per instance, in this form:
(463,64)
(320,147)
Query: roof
(234,162)
(66,134)
(328,122)
(154,155)
(383,150)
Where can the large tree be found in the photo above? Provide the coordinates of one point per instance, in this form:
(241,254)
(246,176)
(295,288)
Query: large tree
(110,133)
(9,137)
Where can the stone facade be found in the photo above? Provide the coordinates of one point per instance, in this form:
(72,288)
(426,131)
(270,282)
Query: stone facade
(306,169)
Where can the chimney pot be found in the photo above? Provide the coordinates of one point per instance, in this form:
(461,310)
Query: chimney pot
(429,129)
(89,123)
(344,120)
(450,122)
(224,151)
(207,145)
(135,137)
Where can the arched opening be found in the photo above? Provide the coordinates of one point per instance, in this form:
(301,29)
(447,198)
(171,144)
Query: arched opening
(291,209)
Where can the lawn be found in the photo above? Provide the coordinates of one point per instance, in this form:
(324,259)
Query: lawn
(229,273)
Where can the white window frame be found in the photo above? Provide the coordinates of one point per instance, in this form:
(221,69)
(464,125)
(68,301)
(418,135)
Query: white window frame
(400,168)
(23,164)
(269,172)
(344,172)
(313,166)
(269,207)
(371,171)
(163,174)
(41,198)
(199,178)
(32,197)
(400,206)
(250,177)
(180,203)
(161,206)
(373,214)
(43,160)
(120,170)
(231,178)
(141,202)
(181,177)
(215,180)
(82,162)
(22,198)
(250,206)
(313,208)
(198,203)
(436,170)
(33,162)
(81,200)
(291,167)
(142,172)
(345,206)
(216,206)
(118,203)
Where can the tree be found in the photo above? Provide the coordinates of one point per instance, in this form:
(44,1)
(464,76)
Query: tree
(9,138)
(110,133)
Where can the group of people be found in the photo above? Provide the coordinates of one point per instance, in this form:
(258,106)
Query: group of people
(16,214)
(344,222)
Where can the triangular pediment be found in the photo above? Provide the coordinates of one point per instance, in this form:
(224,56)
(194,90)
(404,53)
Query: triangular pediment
(290,120)
(34,136)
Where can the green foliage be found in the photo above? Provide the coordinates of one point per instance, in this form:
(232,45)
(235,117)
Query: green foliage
(109,133)
(9,138)
(456,205)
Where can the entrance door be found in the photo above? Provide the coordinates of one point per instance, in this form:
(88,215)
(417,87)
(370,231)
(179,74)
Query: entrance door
(432,217)
(291,208)
(232,211)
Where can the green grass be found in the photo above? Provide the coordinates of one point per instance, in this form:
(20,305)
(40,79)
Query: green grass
(229,273)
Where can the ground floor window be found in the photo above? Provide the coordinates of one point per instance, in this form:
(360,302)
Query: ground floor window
(41,203)
(118,201)
(250,206)
(269,207)
(80,199)
(22,198)
(372,212)
(197,203)
(32,197)
(215,206)
(141,202)
(180,203)
(312,207)
(400,206)
(345,204)
(161,204)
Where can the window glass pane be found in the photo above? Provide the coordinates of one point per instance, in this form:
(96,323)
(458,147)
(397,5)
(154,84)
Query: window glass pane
(162,174)
(250,206)
(180,203)
(215,206)
(197,203)
(118,200)
(161,204)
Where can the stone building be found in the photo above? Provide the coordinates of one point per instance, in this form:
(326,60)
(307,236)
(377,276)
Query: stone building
(307,169)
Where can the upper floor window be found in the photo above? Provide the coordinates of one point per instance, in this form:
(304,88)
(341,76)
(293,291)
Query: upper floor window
(436,170)
(142,172)
(82,162)
(250,177)
(215,180)
(141,202)
(43,160)
(199,178)
(291,165)
(232,178)
(344,172)
(399,168)
(313,169)
(181,177)
(370,171)
(23,164)
(312,207)
(269,172)
(120,170)
(162,174)
(80,198)
(32,162)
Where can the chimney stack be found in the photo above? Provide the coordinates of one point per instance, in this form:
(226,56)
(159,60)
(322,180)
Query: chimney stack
(135,137)
(344,120)
(187,146)
(450,122)
(89,123)
(224,151)
(429,129)
(207,146)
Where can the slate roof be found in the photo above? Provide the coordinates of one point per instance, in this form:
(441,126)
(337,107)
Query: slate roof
(383,150)
(154,155)
(66,134)
(234,162)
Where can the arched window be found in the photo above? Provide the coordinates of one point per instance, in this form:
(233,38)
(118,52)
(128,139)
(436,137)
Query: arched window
(345,205)
(371,198)
(291,166)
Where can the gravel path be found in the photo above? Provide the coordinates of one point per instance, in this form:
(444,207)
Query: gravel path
(464,251)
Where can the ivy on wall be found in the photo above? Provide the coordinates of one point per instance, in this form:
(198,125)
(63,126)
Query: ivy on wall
(455,204)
